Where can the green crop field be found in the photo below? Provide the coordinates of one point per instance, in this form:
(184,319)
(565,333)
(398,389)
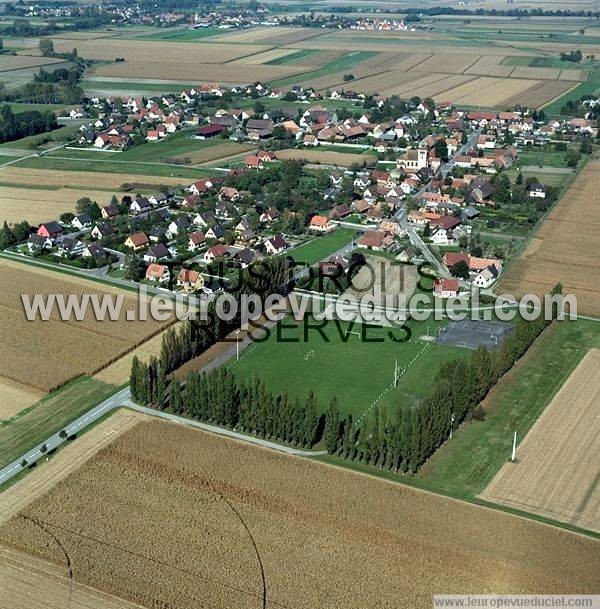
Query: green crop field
(182,35)
(50,415)
(346,61)
(111,165)
(320,247)
(351,361)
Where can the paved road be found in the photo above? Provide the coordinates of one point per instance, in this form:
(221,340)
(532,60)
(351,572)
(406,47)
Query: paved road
(401,214)
(31,456)
(122,398)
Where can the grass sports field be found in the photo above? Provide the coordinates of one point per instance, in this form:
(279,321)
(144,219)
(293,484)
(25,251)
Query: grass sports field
(353,362)
(321,246)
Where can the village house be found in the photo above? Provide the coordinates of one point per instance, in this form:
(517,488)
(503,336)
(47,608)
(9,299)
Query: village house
(538,191)
(109,211)
(269,215)
(190,280)
(158,273)
(178,226)
(375,240)
(275,245)
(70,247)
(95,251)
(156,252)
(38,243)
(101,230)
(446,288)
(215,232)
(137,241)
(196,240)
(82,221)
(201,186)
(216,251)
(340,211)
(140,206)
(52,230)
(321,224)
(204,218)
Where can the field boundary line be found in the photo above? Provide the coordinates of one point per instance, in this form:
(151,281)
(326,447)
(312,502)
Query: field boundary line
(402,373)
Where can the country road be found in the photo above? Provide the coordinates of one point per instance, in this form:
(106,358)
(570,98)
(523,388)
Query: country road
(122,398)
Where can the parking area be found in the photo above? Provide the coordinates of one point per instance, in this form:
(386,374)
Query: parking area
(471,334)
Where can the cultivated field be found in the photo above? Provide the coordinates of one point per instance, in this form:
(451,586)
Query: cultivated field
(233,73)
(249,528)
(18,62)
(118,372)
(24,176)
(42,194)
(219,151)
(15,397)
(341,159)
(45,354)
(558,462)
(564,249)
(71,457)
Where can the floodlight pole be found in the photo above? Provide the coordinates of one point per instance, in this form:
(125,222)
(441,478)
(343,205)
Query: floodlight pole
(514,448)
(237,345)
(396,373)
(451,424)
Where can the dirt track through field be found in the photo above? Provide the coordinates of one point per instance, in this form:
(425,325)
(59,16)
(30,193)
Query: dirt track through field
(558,463)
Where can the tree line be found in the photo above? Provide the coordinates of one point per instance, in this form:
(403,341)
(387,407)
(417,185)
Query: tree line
(15,126)
(399,440)
(220,398)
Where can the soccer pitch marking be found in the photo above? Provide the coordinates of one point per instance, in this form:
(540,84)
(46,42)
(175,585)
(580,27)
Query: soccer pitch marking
(391,385)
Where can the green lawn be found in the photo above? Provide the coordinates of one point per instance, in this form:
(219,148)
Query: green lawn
(22,107)
(106,85)
(465,465)
(590,87)
(542,156)
(50,415)
(181,35)
(321,246)
(110,165)
(343,63)
(357,367)
(293,57)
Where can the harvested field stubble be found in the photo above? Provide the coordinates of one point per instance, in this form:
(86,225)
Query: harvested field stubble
(210,72)
(208,522)
(564,249)
(556,474)
(69,348)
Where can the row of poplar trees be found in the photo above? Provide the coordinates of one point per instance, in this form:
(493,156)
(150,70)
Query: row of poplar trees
(148,381)
(401,441)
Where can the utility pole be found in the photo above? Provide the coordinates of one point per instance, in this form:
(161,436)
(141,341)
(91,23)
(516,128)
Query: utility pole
(396,373)
(514,449)
(451,424)
(237,345)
